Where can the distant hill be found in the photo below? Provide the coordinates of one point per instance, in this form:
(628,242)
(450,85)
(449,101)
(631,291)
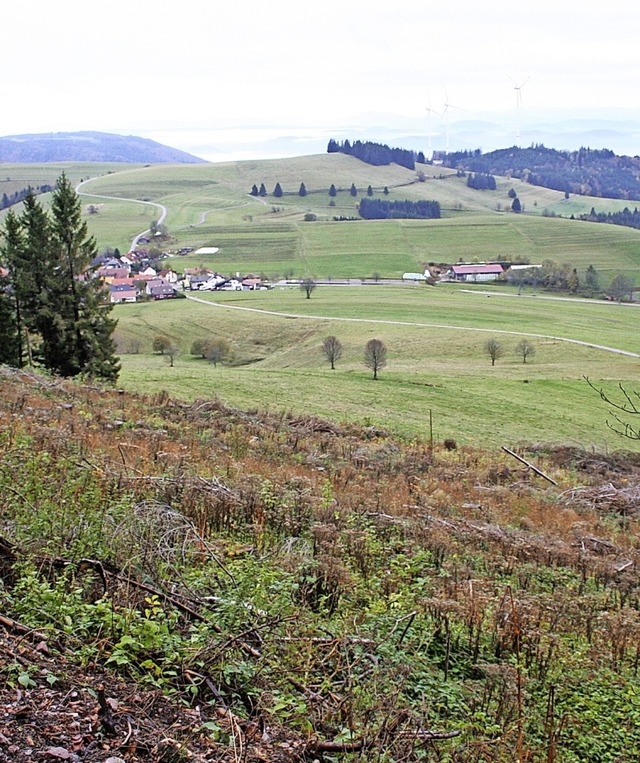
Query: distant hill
(585,171)
(89,147)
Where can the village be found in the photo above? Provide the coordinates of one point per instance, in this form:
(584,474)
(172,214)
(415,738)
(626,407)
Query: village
(134,276)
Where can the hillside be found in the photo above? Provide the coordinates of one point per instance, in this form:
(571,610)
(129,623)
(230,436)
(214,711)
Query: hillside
(89,147)
(587,172)
(192,581)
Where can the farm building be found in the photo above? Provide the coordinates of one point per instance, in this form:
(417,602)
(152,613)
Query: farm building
(475,273)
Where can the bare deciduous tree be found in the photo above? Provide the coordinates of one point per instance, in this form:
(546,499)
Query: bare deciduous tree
(332,349)
(525,349)
(375,356)
(218,351)
(308,285)
(172,352)
(494,350)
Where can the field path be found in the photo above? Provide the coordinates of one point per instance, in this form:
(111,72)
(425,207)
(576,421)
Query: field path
(417,325)
(544,296)
(138,236)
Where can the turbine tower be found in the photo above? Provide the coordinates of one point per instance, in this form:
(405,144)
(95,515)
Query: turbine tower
(445,116)
(429,110)
(518,89)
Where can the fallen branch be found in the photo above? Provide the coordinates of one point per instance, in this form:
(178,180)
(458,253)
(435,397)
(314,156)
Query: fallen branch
(531,466)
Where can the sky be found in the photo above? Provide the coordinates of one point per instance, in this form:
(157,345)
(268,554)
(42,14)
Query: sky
(221,80)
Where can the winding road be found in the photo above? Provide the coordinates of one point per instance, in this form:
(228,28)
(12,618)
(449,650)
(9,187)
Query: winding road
(138,236)
(377,321)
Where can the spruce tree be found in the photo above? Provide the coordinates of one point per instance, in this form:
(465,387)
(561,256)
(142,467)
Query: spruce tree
(303,190)
(84,304)
(54,298)
(11,308)
(10,348)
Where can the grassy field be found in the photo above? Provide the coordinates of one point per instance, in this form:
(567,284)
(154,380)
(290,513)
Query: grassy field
(433,367)
(209,205)
(439,365)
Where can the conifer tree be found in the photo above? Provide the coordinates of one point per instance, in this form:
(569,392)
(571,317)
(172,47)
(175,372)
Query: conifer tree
(56,300)
(303,190)
(11,309)
(84,305)
(10,348)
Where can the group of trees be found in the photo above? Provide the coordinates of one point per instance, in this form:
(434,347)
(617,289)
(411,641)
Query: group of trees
(481,181)
(556,277)
(377,154)
(214,349)
(381,209)
(525,349)
(629,218)
(8,200)
(585,171)
(53,312)
(302,190)
(375,353)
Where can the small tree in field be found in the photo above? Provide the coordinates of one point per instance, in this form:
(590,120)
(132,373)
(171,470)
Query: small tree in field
(375,356)
(494,350)
(199,347)
(525,349)
(161,344)
(218,351)
(332,349)
(172,352)
(307,286)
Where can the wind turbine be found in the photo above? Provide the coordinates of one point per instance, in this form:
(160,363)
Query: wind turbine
(445,116)
(518,89)
(429,110)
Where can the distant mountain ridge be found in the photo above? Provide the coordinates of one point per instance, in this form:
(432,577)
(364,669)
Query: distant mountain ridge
(89,147)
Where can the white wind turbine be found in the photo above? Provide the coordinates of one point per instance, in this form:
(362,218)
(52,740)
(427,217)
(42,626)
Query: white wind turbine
(518,89)
(429,111)
(445,116)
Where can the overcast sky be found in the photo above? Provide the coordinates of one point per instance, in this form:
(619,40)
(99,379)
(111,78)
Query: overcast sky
(150,68)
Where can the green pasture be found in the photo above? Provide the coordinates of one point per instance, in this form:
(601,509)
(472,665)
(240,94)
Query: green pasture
(358,249)
(278,364)
(210,205)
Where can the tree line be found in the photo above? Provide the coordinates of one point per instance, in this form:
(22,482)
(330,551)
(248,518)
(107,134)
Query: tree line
(377,154)
(627,217)
(8,200)
(584,171)
(381,209)
(481,181)
(53,312)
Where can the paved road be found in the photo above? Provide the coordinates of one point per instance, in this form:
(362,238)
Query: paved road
(163,215)
(138,236)
(418,325)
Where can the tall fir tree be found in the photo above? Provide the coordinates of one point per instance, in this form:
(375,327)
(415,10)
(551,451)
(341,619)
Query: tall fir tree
(14,334)
(56,300)
(84,304)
